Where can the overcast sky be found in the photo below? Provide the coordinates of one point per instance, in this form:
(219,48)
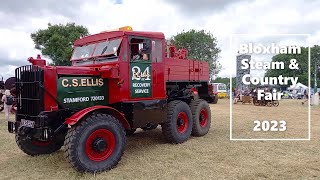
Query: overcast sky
(20,18)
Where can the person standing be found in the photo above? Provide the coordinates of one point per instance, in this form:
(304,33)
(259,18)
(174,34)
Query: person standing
(7,100)
(235,96)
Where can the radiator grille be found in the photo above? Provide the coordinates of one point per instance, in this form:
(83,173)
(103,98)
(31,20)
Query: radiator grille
(29,83)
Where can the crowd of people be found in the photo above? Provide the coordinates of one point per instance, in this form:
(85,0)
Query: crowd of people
(238,94)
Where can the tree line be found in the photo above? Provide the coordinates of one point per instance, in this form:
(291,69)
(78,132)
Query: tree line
(56,42)
(303,60)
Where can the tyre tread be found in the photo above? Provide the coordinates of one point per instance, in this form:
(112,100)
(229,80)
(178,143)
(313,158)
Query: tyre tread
(71,137)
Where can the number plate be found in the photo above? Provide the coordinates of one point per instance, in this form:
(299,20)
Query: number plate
(27,123)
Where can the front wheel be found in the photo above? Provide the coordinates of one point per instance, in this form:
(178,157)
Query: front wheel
(96,144)
(178,127)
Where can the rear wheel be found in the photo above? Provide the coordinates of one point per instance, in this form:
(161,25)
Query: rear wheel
(95,144)
(201,115)
(275,103)
(215,100)
(178,127)
(35,147)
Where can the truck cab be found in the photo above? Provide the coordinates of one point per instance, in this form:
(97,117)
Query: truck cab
(133,58)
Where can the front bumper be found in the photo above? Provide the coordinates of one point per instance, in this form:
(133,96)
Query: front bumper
(37,133)
(222,95)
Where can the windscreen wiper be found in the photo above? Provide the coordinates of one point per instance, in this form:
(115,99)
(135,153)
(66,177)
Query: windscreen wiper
(105,48)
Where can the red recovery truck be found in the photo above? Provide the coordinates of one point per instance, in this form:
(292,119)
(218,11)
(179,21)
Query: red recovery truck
(119,81)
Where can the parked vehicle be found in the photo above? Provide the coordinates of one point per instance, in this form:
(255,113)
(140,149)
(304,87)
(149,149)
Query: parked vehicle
(220,89)
(119,81)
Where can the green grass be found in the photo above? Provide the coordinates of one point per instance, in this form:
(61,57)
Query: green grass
(214,156)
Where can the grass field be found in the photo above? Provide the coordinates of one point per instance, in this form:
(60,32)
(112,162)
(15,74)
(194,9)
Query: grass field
(213,156)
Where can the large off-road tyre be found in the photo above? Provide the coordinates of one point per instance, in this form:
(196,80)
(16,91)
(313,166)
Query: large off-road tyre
(95,144)
(178,127)
(201,115)
(35,147)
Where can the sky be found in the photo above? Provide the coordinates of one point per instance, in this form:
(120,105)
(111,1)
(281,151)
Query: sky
(18,19)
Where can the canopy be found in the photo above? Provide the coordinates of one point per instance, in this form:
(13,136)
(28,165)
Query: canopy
(297,86)
(268,86)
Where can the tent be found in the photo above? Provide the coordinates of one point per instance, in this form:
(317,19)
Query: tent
(298,86)
(270,86)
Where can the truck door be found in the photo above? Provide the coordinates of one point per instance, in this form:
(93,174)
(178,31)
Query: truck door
(147,89)
(140,68)
(146,69)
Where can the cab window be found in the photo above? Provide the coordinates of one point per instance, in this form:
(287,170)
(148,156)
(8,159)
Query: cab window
(156,51)
(140,49)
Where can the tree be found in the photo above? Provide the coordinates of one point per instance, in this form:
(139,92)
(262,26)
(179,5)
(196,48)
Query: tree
(201,45)
(56,41)
(302,59)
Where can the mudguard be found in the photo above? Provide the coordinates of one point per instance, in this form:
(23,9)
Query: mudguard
(80,114)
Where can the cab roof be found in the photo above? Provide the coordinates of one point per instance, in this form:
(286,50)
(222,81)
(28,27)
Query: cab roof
(114,34)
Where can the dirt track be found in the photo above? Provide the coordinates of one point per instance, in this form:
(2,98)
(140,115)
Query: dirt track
(213,156)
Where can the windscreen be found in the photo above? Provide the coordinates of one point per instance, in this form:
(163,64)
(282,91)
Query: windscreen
(81,52)
(106,48)
(222,87)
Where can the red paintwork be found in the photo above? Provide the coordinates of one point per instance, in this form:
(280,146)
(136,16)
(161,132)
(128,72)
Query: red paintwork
(183,117)
(50,84)
(68,70)
(114,34)
(180,54)
(41,143)
(108,138)
(80,114)
(203,117)
(186,70)
(174,67)
(37,62)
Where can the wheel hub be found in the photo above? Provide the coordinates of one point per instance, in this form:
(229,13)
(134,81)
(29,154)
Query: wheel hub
(203,118)
(180,122)
(99,145)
